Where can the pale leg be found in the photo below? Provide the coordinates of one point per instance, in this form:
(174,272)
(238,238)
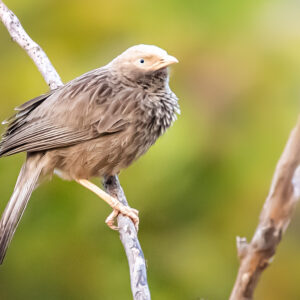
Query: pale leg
(117,206)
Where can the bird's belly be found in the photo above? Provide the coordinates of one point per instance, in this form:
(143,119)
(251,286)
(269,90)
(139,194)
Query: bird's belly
(100,157)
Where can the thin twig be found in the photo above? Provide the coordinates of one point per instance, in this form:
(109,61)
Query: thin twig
(128,234)
(274,220)
(36,53)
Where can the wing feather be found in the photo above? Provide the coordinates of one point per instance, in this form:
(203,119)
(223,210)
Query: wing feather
(72,114)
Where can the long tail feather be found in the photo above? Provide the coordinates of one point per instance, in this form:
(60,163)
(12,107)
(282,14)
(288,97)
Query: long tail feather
(14,210)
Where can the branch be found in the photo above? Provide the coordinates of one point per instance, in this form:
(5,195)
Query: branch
(36,53)
(274,220)
(128,234)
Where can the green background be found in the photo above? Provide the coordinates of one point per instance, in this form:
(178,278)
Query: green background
(200,186)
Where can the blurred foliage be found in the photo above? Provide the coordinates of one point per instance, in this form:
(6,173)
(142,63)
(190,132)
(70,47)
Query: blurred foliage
(200,186)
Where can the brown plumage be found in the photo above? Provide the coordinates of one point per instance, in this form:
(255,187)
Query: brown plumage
(94,126)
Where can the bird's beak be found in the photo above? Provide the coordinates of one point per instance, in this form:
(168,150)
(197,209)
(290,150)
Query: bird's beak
(166,61)
(170,60)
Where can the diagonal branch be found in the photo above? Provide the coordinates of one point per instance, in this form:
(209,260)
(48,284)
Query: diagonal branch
(274,220)
(36,53)
(128,234)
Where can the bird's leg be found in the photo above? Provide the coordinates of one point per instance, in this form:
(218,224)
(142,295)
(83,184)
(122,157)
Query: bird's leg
(117,206)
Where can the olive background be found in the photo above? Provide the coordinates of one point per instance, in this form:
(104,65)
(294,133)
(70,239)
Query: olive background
(202,184)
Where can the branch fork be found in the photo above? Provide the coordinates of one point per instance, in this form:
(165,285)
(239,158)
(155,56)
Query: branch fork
(274,219)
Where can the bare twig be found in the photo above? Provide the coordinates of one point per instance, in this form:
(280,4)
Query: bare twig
(131,244)
(274,220)
(36,53)
(128,234)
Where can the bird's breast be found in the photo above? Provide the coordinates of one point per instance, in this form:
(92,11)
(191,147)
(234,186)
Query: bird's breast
(158,112)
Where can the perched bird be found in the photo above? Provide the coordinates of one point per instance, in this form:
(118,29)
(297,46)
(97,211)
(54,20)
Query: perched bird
(94,126)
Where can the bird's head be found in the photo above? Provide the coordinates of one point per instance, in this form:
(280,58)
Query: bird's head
(141,60)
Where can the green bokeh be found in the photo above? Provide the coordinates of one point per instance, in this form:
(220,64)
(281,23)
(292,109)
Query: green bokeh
(200,186)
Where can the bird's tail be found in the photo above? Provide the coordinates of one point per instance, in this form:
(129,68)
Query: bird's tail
(14,210)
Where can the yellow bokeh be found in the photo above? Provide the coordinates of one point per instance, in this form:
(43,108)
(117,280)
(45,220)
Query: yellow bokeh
(200,186)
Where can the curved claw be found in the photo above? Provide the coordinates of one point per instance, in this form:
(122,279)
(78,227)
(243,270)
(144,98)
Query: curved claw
(126,211)
(110,220)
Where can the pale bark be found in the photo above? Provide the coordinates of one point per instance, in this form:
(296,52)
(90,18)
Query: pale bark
(274,220)
(128,234)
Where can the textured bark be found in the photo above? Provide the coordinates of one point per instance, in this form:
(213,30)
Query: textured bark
(128,234)
(36,53)
(274,220)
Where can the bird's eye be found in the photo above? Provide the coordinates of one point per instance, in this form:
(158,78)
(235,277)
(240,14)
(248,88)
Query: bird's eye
(142,60)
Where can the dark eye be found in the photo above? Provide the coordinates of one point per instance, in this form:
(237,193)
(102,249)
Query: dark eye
(142,60)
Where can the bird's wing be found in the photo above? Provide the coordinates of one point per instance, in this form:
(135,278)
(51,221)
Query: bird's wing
(84,109)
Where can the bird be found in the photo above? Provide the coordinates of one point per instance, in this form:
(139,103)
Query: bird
(93,126)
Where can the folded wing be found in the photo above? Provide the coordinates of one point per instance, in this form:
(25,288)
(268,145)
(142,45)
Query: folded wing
(84,109)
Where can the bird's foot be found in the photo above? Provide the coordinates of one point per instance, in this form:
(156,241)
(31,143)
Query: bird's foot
(119,208)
